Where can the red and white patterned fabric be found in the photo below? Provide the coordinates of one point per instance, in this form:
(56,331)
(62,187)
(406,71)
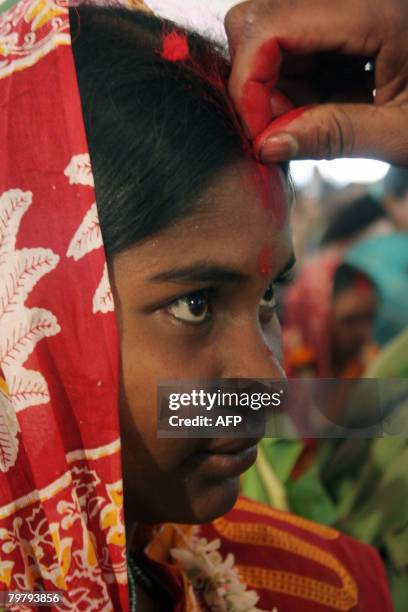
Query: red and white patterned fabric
(61,506)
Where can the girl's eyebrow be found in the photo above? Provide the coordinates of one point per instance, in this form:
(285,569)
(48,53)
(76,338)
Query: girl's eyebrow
(200,273)
(205,273)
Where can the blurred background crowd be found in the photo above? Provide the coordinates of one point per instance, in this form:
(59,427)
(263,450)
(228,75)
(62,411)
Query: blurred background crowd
(345,315)
(349,297)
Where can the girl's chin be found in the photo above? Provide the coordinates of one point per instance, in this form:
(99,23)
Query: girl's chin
(213,501)
(200,501)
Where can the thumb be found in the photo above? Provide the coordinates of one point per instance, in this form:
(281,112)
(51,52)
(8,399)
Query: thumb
(329,131)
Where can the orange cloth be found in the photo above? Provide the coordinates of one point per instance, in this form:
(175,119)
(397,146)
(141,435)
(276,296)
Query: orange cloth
(292,563)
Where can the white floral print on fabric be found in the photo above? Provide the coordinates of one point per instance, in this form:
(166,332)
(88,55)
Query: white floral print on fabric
(21,327)
(9,428)
(88,236)
(103,299)
(43,28)
(81,498)
(79,171)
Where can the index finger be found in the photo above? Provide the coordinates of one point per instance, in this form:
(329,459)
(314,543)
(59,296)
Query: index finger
(255,70)
(266,27)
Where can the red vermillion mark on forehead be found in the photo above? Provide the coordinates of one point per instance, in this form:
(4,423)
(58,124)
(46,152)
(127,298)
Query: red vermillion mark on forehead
(271,192)
(175,47)
(265,267)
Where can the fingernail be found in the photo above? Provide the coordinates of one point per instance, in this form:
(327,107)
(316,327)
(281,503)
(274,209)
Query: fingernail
(279,147)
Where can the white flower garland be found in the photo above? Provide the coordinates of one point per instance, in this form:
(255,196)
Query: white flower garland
(214,579)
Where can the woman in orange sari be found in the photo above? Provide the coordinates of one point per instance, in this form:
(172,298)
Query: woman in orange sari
(101,300)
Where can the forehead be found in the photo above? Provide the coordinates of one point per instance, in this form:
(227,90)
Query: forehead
(245,209)
(355,300)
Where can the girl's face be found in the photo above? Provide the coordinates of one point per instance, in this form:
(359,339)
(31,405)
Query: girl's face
(196,301)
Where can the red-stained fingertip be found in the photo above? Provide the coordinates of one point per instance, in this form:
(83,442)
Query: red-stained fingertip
(275,143)
(279,148)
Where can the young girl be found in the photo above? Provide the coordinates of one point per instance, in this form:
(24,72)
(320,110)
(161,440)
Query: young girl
(169,276)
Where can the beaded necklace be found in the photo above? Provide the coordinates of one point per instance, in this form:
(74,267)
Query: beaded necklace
(136,575)
(132,586)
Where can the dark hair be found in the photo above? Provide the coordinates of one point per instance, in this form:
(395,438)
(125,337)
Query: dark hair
(348,276)
(396,181)
(352,219)
(158,129)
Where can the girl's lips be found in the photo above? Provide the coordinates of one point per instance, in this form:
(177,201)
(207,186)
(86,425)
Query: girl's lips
(219,465)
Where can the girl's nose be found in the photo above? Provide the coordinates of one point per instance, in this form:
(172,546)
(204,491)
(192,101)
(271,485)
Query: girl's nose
(246,354)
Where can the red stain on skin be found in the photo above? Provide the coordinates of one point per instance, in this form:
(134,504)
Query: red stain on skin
(279,125)
(265,267)
(287,118)
(256,107)
(261,101)
(271,192)
(175,47)
(267,62)
(265,187)
(255,104)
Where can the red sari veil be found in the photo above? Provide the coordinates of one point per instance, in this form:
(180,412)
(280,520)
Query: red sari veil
(61,508)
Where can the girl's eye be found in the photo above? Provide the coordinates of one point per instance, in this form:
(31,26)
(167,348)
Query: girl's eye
(192,308)
(269,298)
